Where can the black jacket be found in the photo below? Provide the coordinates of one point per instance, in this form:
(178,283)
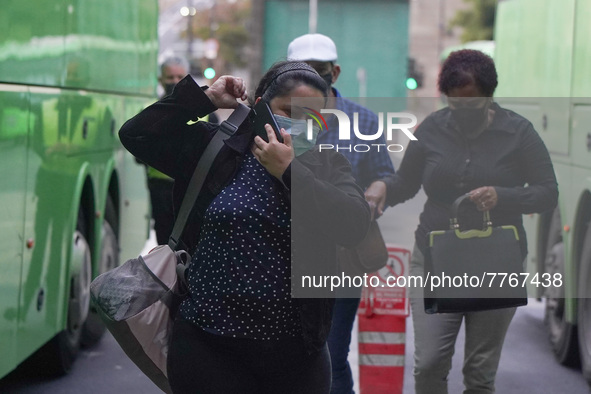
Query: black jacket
(509,154)
(328,208)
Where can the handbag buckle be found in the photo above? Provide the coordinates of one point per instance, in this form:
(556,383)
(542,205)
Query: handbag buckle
(228,128)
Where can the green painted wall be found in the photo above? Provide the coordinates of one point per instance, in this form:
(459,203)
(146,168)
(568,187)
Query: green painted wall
(371,34)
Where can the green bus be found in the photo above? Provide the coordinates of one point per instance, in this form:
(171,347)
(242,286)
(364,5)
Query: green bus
(72,201)
(543,58)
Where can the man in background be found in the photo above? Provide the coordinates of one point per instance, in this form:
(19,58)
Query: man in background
(172,70)
(369,168)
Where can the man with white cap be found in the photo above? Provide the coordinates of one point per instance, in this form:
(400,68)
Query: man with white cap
(320,52)
(369,168)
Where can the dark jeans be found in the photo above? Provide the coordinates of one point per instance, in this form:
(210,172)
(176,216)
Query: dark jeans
(162,212)
(339,339)
(204,363)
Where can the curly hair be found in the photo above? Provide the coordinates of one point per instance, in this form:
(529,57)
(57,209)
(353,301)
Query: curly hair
(284,76)
(465,66)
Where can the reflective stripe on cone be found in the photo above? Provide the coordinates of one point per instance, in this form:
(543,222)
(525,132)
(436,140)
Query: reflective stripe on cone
(382,330)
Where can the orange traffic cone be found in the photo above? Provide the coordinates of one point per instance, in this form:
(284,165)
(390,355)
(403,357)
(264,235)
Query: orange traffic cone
(382,328)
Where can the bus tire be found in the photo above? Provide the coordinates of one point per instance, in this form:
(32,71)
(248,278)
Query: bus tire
(94,328)
(584,307)
(562,334)
(58,355)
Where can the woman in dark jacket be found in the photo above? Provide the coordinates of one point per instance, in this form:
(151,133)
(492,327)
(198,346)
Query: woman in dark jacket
(472,146)
(266,214)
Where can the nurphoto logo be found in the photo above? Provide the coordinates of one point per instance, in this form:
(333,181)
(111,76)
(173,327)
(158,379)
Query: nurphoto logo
(392,120)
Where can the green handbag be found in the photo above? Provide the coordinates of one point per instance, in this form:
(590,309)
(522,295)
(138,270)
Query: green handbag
(473,270)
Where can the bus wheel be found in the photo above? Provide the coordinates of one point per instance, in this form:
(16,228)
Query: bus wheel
(59,354)
(584,308)
(562,334)
(94,328)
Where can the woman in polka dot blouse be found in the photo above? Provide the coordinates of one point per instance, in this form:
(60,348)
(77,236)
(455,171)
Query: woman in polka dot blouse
(267,215)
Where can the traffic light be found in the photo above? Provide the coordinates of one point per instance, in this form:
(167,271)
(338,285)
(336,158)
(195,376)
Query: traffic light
(414,76)
(411,83)
(209,73)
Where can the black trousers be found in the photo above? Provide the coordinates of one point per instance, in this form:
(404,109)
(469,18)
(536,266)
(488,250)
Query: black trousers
(162,212)
(204,363)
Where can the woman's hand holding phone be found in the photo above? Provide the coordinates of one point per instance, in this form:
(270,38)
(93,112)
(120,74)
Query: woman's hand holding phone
(261,115)
(273,155)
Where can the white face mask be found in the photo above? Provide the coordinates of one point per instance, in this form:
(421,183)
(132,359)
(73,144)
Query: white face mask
(298,129)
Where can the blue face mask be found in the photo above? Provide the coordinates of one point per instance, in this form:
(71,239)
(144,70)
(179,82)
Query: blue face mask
(298,129)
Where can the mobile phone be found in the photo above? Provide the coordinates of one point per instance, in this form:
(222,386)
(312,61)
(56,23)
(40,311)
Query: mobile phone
(261,114)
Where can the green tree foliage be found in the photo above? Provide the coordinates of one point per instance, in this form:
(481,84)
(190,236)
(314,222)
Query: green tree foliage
(477,21)
(228,25)
(233,39)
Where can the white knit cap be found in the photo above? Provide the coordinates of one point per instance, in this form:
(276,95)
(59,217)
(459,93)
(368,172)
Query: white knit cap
(316,47)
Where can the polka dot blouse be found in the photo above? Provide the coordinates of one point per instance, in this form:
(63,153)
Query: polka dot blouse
(239,280)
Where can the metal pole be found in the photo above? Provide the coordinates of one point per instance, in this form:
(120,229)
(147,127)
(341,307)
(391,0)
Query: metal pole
(313,17)
(442,27)
(190,31)
(362,80)
(256,39)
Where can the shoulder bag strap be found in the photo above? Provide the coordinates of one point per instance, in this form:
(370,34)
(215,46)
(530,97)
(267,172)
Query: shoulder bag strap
(227,129)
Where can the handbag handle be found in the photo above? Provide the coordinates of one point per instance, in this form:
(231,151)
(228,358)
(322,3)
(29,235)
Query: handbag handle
(453,222)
